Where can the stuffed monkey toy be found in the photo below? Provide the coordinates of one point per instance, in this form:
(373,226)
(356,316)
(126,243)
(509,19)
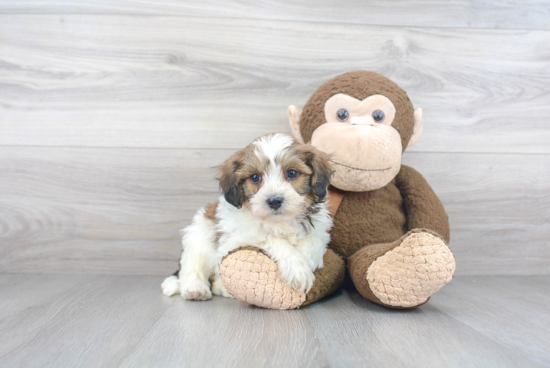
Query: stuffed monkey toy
(390,230)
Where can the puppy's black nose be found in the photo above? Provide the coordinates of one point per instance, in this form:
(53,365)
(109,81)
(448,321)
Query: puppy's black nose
(275,202)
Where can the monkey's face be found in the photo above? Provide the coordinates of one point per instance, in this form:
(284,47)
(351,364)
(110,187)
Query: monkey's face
(365,148)
(365,122)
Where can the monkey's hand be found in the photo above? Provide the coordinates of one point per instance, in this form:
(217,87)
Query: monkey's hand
(251,276)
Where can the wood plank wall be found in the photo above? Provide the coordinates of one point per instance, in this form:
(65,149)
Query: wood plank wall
(113,113)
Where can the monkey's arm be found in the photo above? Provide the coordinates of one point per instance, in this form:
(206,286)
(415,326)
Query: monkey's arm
(423,207)
(372,268)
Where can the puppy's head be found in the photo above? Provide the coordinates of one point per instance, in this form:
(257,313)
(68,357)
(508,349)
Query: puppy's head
(276,177)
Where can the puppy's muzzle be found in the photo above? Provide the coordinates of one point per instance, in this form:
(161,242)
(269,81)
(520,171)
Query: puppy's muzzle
(275,202)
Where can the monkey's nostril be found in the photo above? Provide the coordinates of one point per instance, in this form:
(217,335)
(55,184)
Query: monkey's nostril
(275,202)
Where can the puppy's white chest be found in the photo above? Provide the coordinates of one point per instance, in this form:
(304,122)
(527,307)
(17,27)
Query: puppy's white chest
(256,233)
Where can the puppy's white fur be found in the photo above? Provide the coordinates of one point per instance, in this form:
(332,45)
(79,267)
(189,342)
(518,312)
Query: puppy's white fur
(297,244)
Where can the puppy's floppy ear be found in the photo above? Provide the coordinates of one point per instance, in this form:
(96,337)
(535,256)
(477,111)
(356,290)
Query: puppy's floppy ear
(322,172)
(229,185)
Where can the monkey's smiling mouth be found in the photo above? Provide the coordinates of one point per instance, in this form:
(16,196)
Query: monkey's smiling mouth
(358,169)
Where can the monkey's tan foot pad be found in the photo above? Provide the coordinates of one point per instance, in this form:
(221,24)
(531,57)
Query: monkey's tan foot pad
(410,273)
(252,277)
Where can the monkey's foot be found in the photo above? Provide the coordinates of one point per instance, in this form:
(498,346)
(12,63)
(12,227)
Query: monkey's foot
(252,277)
(403,274)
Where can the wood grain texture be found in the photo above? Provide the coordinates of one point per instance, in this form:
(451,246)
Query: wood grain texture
(426,13)
(94,317)
(111,113)
(106,321)
(107,210)
(503,303)
(192,82)
(114,210)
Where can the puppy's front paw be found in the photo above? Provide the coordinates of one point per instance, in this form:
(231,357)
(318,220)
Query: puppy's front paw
(297,273)
(219,289)
(195,290)
(170,286)
(316,262)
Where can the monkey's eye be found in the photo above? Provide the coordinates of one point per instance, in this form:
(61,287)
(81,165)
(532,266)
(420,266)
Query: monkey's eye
(292,174)
(255,178)
(342,114)
(378,116)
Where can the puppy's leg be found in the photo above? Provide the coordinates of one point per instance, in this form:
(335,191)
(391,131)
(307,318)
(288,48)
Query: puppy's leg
(314,245)
(198,259)
(293,266)
(171,285)
(217,285)
(313,249)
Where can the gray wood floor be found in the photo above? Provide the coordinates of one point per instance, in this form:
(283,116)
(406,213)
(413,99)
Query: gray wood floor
(107,321)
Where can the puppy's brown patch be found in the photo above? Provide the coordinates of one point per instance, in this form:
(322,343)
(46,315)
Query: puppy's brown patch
(210,212)
(314,168)
(250,164)
(295,157)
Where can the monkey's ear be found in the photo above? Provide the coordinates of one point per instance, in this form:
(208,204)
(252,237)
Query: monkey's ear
(228,181)
(322,173)
(418,124)
(294,114)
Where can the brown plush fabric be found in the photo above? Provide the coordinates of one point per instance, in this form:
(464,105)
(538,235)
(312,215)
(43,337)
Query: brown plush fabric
(422,206)
(327,279)
(334,200)
(383,215)
(365,218)
(360,85)
(367,223)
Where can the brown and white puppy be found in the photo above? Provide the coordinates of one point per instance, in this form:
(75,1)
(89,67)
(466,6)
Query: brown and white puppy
(274,193)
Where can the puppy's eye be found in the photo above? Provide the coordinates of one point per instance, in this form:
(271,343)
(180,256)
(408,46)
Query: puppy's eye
(378,116)
(255,178)
(342,114)
(292,174)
